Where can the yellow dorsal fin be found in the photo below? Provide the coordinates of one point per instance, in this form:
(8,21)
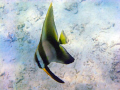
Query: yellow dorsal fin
(49,31)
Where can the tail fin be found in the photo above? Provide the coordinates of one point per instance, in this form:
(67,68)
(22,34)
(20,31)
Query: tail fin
(47,70)
(63,39)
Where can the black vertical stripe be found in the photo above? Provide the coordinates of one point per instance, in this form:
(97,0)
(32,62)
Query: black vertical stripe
(36,59)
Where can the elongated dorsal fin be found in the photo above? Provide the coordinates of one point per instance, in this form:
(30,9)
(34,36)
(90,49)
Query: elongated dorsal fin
(49,29)
(63,39)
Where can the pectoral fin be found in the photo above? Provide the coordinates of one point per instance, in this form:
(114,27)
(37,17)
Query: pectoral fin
(63,39)
(47,70)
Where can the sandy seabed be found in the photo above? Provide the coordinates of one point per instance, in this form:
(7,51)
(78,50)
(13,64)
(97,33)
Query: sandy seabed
(93,30)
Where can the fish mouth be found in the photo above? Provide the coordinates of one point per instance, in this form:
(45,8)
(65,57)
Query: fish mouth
(52,75)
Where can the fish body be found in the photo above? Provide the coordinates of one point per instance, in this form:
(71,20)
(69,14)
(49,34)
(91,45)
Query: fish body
(49,48)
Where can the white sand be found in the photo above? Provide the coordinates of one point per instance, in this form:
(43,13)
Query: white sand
(93,29)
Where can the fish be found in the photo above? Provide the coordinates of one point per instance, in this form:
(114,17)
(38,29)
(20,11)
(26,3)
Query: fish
(50,48)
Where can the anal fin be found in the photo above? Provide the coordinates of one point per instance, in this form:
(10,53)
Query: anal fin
(63,56)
